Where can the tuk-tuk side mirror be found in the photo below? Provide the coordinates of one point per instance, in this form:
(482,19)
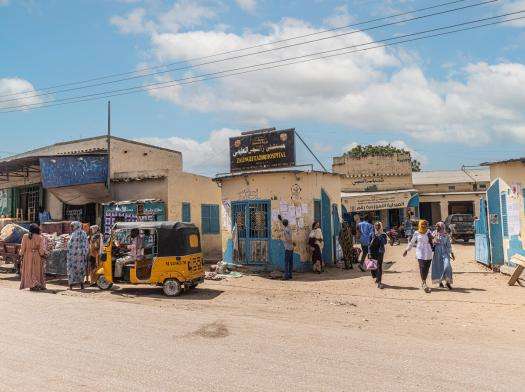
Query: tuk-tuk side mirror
(103,257)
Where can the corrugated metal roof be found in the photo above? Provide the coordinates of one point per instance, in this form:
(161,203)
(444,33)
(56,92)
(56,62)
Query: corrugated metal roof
(504,161)
(451,176)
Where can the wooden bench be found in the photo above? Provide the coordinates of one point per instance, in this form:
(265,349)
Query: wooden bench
(519,260)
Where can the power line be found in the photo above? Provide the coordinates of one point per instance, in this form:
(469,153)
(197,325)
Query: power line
(204,77)
(251,54)
(252,47)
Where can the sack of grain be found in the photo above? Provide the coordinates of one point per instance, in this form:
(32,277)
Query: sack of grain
(12,233)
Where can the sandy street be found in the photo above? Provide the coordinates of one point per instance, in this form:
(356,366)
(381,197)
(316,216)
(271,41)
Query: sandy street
(336,332)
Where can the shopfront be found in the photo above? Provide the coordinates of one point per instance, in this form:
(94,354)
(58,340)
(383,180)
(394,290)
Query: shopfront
(262,186)
(389,207)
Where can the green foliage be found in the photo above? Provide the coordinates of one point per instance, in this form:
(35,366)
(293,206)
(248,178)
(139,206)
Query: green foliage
(381,151)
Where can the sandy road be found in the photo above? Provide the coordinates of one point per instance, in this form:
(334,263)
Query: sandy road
(336,332)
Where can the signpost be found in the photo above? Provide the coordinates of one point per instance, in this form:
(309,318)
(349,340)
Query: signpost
(262,150)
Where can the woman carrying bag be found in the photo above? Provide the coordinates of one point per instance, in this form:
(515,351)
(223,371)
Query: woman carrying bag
(377,254)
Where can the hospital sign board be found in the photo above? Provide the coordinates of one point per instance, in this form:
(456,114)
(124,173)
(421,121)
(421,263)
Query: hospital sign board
(262,150)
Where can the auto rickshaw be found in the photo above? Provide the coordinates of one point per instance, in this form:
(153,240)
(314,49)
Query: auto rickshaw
(172,256)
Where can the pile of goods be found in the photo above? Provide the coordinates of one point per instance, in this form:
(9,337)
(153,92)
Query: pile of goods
(12,233)
(55,241)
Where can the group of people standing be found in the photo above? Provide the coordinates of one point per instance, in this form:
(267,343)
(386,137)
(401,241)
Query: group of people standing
(82,256)
(433,250)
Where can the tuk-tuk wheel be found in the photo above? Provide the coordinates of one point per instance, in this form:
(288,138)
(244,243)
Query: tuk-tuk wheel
(103,283)
(172,287)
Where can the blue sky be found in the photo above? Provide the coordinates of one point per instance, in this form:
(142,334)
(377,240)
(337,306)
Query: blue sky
(453,100)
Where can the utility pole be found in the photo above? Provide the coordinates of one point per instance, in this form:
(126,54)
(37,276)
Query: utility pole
(108,185)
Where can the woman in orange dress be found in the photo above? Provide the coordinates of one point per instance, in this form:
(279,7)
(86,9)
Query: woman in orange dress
(32,268)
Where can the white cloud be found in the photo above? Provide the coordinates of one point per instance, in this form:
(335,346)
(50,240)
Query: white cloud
(4,2)
(247,5)
(17,92)
(322,148)
(514,6)
(182,14)
(132,23)
(185,14)
(207,157)
(381,91)
(340,18)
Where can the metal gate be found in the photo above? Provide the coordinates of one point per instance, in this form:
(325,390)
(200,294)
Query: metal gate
(482,235)
(251,219)
(495,223)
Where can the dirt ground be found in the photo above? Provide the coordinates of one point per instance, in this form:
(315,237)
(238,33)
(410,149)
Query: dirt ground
(333,332)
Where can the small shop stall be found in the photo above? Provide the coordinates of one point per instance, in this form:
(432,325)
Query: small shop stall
(132,211)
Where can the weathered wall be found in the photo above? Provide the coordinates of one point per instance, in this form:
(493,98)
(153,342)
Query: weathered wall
(512,180)
(136,190)
(451,187)
(196,190)
(374,173)
(295,189)
(53,205)
(444,200)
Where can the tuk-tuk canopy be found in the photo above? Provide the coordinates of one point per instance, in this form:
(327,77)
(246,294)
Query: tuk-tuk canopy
(173,238)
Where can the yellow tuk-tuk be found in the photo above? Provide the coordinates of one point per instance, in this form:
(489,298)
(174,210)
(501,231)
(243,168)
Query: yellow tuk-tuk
(169,256)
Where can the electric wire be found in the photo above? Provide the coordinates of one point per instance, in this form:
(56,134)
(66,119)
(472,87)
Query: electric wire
(217,75)
(248,48)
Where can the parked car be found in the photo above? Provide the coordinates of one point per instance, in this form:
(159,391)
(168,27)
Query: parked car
(460,226)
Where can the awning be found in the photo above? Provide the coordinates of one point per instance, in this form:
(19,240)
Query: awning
(82,194)
(372,201)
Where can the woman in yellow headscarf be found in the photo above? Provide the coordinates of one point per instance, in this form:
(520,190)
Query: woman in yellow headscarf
(423,241)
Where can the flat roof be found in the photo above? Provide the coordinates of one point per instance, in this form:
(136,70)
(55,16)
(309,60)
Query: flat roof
(271,171)
(359,194)
(38,151)
(451,176)
(522,160)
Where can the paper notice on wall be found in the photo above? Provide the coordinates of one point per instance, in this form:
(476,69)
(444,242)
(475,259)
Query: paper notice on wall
(304,208)
(513,217)
(226,215)
(300,223)
(298,211)
(275,215)
(291,212)
(283,208)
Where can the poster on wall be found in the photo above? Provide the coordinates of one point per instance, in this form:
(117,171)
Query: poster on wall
(513,217)
(262,150)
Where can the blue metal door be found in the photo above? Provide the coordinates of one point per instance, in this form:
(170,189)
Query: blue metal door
(482,235)
(252,222)
(495,224)
(326,227)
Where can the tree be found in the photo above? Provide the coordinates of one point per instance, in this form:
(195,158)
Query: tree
(381,151)
(416,165)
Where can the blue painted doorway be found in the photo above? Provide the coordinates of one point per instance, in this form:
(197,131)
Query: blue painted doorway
(326,227)
(495,223)
(482,235)
(252,221)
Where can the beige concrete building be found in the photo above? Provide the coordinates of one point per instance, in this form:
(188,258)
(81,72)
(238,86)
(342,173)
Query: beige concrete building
(252,202)
(137,171)
(378,186)
(442,193)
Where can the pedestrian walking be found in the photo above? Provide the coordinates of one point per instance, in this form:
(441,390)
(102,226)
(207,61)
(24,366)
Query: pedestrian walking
(94,253)
(288,249)
(77,253)
(316,241)
(33,251)
(347,244)
(441,265)
(377,252)
(422,240)
(366,233)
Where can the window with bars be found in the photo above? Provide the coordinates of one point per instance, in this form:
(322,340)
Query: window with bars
(210,219)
